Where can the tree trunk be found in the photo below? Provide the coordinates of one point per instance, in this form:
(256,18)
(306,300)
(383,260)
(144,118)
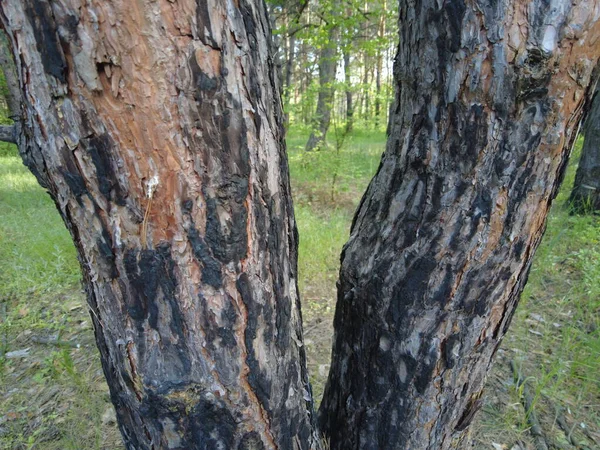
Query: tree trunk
(347,81)
(156,127)
(327,69)
(585,196)
(488,99)
(289,67)
(379,68)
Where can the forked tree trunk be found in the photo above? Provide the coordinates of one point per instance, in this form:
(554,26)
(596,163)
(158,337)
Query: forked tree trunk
(585,196)
(488,99)
(156,128)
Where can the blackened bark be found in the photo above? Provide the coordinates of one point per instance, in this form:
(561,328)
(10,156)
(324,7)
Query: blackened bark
(156,127)
(585,196)
(327,68)
(488,99)
(7,134)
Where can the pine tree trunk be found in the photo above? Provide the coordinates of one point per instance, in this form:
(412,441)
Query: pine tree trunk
(488,99)
(585,196)
(156,127)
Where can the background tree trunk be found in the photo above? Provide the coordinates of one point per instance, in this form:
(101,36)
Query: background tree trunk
(156,128)
(348,83)
(585,197)
(379,68)
(327,69)
(487,105)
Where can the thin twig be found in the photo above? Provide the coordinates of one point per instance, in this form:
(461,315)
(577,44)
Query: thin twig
(54,341)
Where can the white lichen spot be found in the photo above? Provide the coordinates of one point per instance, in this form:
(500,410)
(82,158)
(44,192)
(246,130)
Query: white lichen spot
(402,372)
(384,343)
(116,231)
(151,186)
(549,40)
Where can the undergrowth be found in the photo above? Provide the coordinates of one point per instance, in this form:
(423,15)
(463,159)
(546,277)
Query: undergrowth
(56,397)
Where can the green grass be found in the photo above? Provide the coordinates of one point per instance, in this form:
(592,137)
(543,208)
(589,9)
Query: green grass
(36,252)
(39,292)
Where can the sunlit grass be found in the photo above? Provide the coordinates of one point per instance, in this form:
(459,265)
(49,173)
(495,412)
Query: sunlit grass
(36,251)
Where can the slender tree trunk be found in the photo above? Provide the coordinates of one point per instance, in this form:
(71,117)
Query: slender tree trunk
(347,81)
(366,88)
(156,128)
(379,68)
(487,106)
(327,69)
(289,69)
(585,196)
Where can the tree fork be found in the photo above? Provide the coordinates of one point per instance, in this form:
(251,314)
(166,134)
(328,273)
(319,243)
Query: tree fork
(488,100)
(156,127)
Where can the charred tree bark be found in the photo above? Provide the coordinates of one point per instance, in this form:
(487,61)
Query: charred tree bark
(327,69)
(7,134)
(488,100)
(156,127)
(585,196)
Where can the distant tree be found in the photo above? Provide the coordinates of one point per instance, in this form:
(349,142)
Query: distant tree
(585,196)
(328,61)
(156,127)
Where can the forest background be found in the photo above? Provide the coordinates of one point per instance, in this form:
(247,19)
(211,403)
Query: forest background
(335,61)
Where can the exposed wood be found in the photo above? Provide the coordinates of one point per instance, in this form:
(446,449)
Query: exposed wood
(156,127)
(488,102)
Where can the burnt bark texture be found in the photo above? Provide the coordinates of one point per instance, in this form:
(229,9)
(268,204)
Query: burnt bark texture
(585,196)
(328,58)
(7,134)
(156,127)
(488,100)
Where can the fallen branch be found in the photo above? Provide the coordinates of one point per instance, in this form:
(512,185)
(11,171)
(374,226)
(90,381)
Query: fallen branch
(562,423)
(527,401)
(54,341)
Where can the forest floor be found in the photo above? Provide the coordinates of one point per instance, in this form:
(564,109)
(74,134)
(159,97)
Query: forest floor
(53,394)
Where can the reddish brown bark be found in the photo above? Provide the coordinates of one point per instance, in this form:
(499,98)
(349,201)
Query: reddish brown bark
(156,128)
